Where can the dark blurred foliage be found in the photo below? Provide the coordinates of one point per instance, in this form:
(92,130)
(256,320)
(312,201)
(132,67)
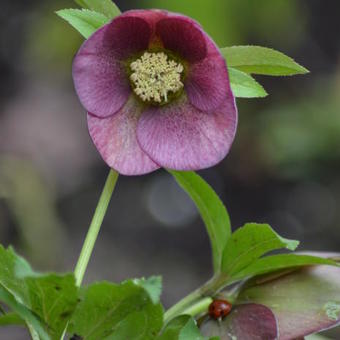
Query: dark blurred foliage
(284,167)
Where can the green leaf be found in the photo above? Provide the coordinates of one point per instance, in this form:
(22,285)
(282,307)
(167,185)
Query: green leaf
(191,332)
(277,262)
(134,326)
(211,208)
(249,243)
(50,297)
(11,319)
(245,86)
(10,263)
(108,309)
(182,327)
(81,3)
(53,298)
(153,286)
(24,313)
(174,328)
(105,7)
(261,60)
(86,22)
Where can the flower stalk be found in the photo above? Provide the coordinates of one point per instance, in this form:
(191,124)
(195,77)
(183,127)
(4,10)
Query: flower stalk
(95,225)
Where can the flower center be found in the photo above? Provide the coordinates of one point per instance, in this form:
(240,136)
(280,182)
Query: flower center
(154,76)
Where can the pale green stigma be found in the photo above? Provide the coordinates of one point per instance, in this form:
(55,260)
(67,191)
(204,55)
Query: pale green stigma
(154,76)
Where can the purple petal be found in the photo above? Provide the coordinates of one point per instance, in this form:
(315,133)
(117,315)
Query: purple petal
(151,16)
(115,139)
(246,322)
(304,301)
(184,36)
(180,137)
(99,76)
(207,84)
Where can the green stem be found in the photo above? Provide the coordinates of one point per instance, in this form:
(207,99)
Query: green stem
(198,301)
(94,228)
(182,305)
(199,307)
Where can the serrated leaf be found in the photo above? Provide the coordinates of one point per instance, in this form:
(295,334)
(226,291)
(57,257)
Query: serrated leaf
(9,264)
(250,242)
(134,326)
(53,298)
(105,7)
(191,332)
(277,262)
(211,208)
(173,329)
(153,286)
(107,308)
(50,297)
(304,301)
(86,22)
(261,60)
(245,86)
(182,327)
(24,313)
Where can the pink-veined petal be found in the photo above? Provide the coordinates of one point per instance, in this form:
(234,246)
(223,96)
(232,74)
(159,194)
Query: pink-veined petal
(207,84)
(180,137)
(115,139)
(184,36)
(99,75)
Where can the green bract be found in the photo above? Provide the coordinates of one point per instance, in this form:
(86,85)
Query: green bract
(85,21)
(244,85)
(261,60)
(105,7)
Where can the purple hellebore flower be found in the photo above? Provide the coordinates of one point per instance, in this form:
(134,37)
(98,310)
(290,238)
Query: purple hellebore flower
(157,93)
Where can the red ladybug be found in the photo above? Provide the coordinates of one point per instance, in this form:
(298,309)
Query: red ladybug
(219,309)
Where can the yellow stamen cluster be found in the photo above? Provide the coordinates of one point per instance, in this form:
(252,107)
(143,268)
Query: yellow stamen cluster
(154,75)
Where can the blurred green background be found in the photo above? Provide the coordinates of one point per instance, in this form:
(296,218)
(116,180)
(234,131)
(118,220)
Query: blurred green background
(284,167)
